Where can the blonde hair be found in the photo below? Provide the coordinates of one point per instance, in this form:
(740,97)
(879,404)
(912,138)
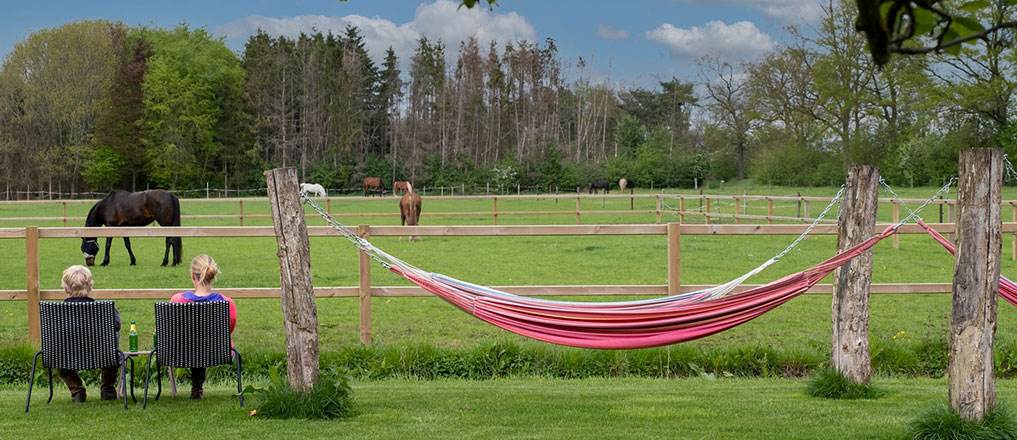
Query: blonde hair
(204,269)
(77,281)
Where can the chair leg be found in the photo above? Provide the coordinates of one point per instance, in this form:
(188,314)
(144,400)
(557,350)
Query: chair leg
(148,377)
(31,379)
(50,385)
(135,399)
(240,385)
(158,380)
(123,378)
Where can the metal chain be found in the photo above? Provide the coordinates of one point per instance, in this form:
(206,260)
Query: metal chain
(914,213)
(813,225)
(357,241)
(1009,168)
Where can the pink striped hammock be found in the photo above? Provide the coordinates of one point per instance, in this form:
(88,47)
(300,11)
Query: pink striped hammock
(1007,288)
(625,325)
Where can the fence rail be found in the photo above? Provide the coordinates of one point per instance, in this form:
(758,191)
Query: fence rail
(673,231)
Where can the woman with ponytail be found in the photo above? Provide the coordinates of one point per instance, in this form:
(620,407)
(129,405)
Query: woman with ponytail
(203,273)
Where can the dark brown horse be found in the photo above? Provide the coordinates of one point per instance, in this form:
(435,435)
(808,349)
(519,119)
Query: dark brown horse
(374,183)
(122,208)
(409,207)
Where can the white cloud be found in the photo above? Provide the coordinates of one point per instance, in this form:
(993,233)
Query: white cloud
(786,11)
(608,32)
(441,20)
(741,40)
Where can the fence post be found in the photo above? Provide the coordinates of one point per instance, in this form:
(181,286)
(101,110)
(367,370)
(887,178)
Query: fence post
(299,311)
(364,231)
(850,306)
(495,211)
(32,268)
(807,215)
(975,283)
(769,210)
(674,260)
(578,198)
(738,210)
(241,212)
(681,209)
(328,205)
(65,213)
(658,208)
(896,219)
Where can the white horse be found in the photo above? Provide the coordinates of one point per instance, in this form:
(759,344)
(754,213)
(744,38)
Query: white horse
(313,188)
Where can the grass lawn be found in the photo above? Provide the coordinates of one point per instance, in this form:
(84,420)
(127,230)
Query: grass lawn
(524,408)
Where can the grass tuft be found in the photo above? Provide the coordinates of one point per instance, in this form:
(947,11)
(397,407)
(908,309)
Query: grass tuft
(831,384)
(330,398)
(944,423)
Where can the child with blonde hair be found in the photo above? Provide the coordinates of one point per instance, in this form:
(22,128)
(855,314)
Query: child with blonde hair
(77,284)
(203,273)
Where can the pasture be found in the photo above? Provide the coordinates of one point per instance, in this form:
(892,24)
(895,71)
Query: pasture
(530,405)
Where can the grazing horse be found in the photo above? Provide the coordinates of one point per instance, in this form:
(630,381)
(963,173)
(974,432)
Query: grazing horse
(403,186)
(122,208)
(623,183)
(602,185)
(374,183)
(313,188)
(409,207)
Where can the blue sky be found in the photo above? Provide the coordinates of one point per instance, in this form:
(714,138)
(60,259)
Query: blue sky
(634,41)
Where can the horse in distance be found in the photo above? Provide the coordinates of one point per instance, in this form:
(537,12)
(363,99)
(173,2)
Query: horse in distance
(374,183)
(409,208)
(402,186)
(122,208)
(313,188)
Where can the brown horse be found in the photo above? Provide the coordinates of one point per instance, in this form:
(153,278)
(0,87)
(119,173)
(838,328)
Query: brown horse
(403,186)
(374,183)
(409,206)
(121,208)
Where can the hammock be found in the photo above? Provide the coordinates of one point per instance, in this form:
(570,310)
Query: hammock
(1007,288)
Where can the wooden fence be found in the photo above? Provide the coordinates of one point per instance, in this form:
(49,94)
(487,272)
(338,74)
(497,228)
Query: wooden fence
(364,291)
(664,206)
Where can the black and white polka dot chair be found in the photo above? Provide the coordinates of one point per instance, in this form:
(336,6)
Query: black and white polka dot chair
(192,335)
(78,336)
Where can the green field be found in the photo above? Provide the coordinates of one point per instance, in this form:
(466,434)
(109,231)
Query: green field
(526,407)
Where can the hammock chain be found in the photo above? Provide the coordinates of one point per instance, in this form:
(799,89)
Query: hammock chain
(1009,168)
(814,223)
(914,213)
(360,243)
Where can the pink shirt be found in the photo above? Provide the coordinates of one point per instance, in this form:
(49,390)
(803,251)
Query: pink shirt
(190,297)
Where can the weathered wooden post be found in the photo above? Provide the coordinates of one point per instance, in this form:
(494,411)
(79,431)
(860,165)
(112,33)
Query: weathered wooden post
(975,282)
(674,259)
(850,308)
(32,278)
(300,315)
(364,291)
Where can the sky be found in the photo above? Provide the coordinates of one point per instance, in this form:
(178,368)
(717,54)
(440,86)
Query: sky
(630,42)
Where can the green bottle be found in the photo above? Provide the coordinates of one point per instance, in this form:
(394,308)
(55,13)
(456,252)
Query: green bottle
(133,337)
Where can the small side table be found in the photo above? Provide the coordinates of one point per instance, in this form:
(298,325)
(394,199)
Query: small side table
(172,375)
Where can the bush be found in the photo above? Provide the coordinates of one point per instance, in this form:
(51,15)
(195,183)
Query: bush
(831,384)
(944,423)
(330,398)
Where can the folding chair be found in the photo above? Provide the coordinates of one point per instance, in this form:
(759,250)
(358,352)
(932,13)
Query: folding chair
(78,336)
(192,335)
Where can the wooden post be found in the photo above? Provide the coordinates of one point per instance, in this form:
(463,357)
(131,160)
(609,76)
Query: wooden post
(328,205)
(241,213)
(707,210)
(496,211)
(738,210)
(850,305)
(364,231)
(299,311)
(951,219)
(769,210)
(674,260)
(1014,245)
(807,215)
(681,209)
(658,208)
(577,210)
(975,282)
(32,269)
(896,219)
(65,212)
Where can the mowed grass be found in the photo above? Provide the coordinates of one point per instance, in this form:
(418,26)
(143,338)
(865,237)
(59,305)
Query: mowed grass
(518,408)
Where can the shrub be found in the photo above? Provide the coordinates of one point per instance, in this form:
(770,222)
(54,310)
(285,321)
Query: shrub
(330,398)
(831,384)
(944,423)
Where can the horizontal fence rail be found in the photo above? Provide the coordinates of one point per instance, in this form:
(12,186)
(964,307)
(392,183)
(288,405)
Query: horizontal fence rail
(33,293)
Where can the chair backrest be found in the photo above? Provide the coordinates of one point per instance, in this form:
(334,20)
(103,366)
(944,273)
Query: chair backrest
(193,335)
(78,335)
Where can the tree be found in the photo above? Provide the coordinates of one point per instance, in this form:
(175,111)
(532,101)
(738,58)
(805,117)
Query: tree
(727,99)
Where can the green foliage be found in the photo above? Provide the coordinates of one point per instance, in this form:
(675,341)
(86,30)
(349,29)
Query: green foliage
(102,169)
(942,423)
(330,398)
(831,384)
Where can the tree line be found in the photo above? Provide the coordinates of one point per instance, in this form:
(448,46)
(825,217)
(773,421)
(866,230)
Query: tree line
(97,105)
